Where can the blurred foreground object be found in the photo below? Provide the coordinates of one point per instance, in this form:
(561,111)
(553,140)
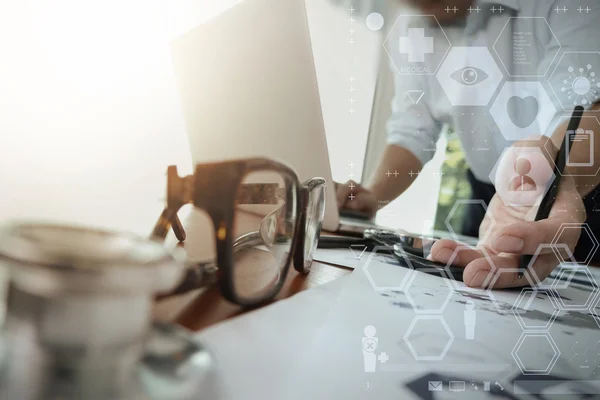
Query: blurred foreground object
(78,322)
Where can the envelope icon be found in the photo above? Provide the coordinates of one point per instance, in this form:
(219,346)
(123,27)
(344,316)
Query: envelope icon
(435,386)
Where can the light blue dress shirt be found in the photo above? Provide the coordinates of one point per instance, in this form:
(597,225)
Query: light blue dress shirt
(548,47)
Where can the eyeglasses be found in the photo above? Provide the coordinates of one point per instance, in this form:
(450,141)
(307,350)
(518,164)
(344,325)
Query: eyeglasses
(262,218)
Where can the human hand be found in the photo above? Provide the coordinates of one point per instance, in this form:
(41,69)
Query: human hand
(362,199)
(509,231)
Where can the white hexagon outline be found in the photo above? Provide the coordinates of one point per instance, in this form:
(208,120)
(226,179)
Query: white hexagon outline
(458,249)
(502,61)
(455,235)
(499,271)
(549,140)
(492,175)
(440,79)
(535,292)
(538,251)
(585,227)
(392,30)
(596,314)
(556,68)
(590,299)
(414,305)
(500,119)
(515,353)
(412,326)
(377,288)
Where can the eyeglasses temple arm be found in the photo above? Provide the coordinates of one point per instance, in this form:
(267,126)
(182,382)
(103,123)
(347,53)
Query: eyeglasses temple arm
(196,276)
(168,219)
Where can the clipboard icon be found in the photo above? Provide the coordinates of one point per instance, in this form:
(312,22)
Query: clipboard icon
(584,138)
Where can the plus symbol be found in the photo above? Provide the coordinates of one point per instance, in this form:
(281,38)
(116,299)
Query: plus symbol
(352,9)
(416,45)
(383,358)
(351,165)
(476,9)
(389,173)
(351,185)
(501,9)
(396,173)
(412,174)
(352,196)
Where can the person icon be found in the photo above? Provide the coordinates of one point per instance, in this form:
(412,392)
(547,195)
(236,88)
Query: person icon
(470,319)
(523,176)
(369,344)
(522,182)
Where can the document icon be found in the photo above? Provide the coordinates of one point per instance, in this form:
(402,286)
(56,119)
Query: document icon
(435,386)
(457,386)
(584,140)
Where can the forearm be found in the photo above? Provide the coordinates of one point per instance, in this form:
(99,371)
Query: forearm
(393,174)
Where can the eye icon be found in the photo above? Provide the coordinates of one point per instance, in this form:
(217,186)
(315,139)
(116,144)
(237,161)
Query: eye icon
(469,76)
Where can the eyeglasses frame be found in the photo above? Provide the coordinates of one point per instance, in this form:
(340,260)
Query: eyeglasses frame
(213,188)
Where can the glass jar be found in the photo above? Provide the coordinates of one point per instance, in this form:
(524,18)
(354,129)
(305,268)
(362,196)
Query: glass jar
(79,318)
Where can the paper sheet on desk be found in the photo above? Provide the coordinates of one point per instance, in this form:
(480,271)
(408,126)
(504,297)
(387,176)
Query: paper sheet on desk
(257,350)
(422,337)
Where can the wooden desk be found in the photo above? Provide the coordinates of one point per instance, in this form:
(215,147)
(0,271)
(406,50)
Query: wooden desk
(202,308)
(208,307)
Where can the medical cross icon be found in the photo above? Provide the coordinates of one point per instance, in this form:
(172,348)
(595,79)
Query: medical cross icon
(383,357)
(416,45)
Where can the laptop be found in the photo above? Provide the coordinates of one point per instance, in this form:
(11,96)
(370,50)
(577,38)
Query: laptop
(248,87)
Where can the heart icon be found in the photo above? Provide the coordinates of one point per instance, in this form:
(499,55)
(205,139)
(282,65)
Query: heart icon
(523,111)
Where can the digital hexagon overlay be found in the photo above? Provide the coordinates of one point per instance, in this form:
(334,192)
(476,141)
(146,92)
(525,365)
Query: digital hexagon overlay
(535,348)
(556,251)
(576,79)
(585,230)
(436,308)
(416,44)
(469,202)
(416,352)
(511,47)
(505,305)
(523,109)
(524,304)
(375,269)
(448,268)
(470,76)
(508,182)
(582,164)
(595,311)
(570,274)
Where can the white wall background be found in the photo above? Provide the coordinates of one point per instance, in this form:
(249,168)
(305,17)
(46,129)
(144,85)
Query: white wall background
(89,117)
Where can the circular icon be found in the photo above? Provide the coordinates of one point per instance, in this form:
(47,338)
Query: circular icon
(375,21)
(370,345)
(522,176)
(469,76)
(581,85)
